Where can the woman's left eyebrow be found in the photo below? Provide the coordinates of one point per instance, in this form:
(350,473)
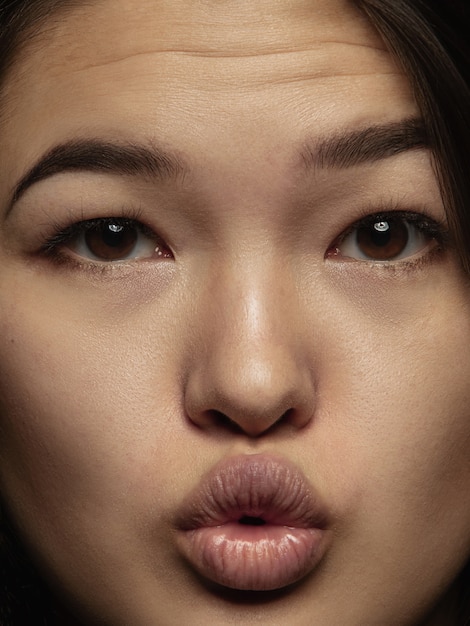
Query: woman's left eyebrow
(365,145)
(102,156)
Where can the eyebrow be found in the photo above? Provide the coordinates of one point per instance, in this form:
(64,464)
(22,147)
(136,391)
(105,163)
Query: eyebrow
(337,151)
(100,156)
(366,145)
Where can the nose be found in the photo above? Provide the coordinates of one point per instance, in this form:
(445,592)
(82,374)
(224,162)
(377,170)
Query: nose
(252,371)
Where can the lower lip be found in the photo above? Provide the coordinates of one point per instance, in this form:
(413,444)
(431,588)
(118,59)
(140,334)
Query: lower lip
(256,558)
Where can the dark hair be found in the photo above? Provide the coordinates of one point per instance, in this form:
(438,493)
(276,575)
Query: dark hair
(24,598)
(429,39)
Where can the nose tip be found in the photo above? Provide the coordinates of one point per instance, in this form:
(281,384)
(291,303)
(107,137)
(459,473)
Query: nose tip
(250,397)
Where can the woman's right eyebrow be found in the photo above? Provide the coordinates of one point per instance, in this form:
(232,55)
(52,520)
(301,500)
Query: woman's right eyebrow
(94,155)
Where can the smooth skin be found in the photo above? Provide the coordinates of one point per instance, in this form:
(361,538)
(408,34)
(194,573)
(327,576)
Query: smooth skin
(122,383)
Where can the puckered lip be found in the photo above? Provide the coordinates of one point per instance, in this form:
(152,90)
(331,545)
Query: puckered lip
(254,523)
(262,487)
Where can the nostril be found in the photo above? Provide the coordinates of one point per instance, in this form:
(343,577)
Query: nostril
(226,422)
(244,424)
(251,521)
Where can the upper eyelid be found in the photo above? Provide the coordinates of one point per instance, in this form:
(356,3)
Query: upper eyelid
(63,222)
(415,217)
(62,234)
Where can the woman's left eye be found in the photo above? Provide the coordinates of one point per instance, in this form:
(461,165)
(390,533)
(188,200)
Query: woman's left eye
(109,240)
(387,238)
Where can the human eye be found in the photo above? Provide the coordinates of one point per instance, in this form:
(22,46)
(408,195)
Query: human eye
(106,241)
(388,237)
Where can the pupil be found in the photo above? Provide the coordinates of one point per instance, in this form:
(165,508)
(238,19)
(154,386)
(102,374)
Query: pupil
(381,234)
(111,242)
(383,241)
(114,235)
(382,227)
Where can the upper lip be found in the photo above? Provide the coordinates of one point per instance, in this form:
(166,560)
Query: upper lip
(257,486)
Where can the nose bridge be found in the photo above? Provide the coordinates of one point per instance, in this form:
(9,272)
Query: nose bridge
(250,337)
(252,369)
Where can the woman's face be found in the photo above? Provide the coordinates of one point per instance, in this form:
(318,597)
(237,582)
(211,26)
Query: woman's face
(227,294)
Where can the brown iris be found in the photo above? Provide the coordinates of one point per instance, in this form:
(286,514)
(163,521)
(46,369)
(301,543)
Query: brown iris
(111,241)
(383,240)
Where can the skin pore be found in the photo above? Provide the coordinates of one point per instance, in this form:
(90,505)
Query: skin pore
(245,321)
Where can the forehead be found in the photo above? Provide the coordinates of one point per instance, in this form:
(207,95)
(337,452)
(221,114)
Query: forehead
(214,27)
(243,42)
(166,70)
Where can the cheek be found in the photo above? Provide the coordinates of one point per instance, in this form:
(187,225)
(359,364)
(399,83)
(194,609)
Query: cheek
(395,376)
(393,435)
(390,442)
(84,414)
(89,427)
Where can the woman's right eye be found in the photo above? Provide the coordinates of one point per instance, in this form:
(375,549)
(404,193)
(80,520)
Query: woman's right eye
(109,240)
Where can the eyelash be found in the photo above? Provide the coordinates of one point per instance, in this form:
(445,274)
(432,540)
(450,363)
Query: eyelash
(420,220)
(63,235)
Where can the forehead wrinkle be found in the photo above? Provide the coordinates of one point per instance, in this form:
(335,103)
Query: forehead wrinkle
(203,33)
(227,54)
(241,71)
(325,77)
